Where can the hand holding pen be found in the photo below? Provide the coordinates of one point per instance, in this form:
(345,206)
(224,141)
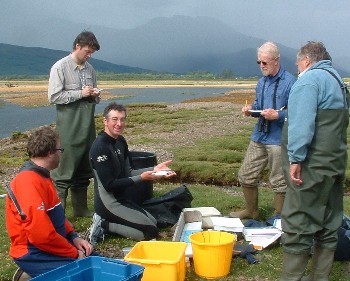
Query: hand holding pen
(246,108)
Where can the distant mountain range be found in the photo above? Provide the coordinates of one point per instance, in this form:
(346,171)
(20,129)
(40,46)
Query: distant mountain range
(179,44)
(31,61)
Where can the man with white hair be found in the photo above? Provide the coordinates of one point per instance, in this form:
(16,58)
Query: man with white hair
(264,148)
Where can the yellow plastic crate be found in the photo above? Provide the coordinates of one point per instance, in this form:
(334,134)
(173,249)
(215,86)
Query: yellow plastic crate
(161,259)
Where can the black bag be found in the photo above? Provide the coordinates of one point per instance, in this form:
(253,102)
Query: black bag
(342,253)
(167,208)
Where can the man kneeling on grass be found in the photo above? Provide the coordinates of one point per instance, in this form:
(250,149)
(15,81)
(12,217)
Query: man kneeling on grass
(42,238)
(115,180)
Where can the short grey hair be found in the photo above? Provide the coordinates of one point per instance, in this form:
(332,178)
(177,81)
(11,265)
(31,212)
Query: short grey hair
(316,51)
(271,48)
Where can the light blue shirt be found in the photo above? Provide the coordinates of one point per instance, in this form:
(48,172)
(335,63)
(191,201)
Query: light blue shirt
(315,89)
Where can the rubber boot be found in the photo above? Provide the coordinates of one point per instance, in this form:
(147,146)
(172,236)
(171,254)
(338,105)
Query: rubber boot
(293,266)
(278,200)
(322,261)
(62,194)
(20,275)
(251,201)
(79,202)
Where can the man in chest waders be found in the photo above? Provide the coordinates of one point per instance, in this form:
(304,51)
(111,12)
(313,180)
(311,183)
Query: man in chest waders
(73,89)
(314,157)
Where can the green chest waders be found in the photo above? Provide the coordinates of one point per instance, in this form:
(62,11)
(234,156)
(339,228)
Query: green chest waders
(76,127)
(316,206)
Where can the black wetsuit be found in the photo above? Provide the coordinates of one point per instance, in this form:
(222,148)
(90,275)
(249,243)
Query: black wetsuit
(114,178)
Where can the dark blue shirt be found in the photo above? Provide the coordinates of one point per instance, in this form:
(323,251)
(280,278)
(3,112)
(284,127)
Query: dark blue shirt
(265,99)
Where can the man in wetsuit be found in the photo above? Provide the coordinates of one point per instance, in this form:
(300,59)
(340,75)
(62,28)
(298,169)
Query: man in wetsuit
(114,177)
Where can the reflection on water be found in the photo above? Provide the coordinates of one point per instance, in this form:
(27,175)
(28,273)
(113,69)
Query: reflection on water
(15,118)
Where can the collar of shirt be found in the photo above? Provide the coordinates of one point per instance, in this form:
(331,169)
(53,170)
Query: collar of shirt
(272,79)
(302,73)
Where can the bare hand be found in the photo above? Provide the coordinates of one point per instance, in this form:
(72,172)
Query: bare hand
(295,174)
(163,166)
(96,92)
(245,110)
(84,247)
(149,175)
(270,114)
(87,91)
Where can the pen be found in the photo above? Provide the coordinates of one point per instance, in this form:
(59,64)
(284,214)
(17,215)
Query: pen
(246,103)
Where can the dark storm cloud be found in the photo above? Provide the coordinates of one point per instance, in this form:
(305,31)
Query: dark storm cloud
(291,23)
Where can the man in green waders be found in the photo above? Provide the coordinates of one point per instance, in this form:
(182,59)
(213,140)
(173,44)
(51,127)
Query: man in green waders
(314,163)
(73,88)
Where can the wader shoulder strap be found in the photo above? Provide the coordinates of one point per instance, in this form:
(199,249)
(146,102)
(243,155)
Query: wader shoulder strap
(342,86)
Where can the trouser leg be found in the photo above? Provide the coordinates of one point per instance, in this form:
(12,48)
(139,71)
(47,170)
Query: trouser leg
(253,164)
(277,180)
(131,221)
(147,233)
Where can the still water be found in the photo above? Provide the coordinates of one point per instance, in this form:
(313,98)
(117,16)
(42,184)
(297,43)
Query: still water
(16,118)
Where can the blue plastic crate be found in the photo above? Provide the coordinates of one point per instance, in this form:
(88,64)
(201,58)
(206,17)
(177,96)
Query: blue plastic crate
(94,269)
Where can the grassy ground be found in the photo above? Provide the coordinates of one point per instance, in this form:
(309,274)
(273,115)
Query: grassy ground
(185,134)
(270,260)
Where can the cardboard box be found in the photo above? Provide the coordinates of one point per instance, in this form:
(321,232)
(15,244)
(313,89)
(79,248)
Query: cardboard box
(200,216)
(193,220)
(261,237)
(227,224)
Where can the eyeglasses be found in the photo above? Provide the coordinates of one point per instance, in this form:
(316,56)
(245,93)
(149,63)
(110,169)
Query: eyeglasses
(263,62)
(266,62)
(59,149)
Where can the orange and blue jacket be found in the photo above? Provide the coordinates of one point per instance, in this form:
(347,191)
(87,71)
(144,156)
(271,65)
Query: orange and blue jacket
(45,228)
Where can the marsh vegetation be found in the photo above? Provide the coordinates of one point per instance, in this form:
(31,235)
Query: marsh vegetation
(206,139)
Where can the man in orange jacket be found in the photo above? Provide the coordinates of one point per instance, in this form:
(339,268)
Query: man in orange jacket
(41,237)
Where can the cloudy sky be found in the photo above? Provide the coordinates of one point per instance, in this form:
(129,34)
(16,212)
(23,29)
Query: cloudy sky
(289,22)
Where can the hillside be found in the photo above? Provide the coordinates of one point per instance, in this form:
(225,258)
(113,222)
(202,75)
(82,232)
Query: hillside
(30,61)
(177,44)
